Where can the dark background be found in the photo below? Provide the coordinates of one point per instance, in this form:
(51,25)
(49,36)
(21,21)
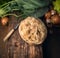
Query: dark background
(51,46)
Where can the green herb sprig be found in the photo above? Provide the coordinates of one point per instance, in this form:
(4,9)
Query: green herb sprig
(57,5)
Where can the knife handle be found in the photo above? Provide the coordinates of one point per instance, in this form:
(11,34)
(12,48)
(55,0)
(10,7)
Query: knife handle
(8,35)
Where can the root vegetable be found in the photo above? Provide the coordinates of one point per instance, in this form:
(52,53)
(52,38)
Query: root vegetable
(4,21)
(55,19)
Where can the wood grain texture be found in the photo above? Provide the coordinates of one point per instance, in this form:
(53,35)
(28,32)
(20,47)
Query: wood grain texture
(17,48)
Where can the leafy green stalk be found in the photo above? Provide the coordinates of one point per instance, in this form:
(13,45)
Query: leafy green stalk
(27,7)
(57,5)
(7,8)
(4,1)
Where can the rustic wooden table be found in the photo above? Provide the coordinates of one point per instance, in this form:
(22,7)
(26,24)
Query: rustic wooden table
(17,48)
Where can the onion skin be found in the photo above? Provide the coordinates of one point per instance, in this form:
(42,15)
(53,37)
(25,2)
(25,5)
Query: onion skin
(53,12)
(4,21)
(48,15)
(52,17)
(55,19)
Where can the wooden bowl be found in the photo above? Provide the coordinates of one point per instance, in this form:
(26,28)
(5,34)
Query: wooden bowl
(32,30)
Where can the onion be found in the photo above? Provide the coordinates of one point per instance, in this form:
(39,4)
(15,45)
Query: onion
(4,21)
(53,12)
(55,19)
(48,15)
